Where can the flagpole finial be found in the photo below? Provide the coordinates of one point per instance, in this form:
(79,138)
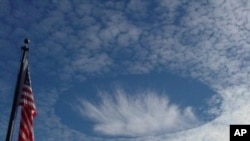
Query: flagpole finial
(26,42)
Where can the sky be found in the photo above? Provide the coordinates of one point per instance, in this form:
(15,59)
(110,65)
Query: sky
(113,70)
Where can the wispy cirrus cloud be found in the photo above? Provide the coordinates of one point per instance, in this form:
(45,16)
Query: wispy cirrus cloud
(137,114)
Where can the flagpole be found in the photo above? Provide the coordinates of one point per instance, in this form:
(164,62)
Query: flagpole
(25,49)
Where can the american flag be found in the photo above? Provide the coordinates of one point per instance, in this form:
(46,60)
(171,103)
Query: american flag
(28,108)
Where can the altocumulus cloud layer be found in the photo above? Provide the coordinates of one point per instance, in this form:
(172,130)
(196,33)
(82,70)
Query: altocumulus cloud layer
(208,41)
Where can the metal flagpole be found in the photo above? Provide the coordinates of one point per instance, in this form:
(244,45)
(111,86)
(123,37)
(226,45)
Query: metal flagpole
(25,49)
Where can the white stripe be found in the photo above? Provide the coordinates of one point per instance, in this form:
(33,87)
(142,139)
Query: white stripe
(28,95)
(26,102)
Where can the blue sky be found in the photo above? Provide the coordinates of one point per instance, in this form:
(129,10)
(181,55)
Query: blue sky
(133,70)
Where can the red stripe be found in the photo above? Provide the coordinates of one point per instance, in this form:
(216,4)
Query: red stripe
(27,89)
(28,111)
(27,98)
(26,126)
(23,131)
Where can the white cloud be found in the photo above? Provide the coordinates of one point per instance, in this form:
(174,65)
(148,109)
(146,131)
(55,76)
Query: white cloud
(91,64)
(210,43)
(137,6)
(137,114)
(213,49)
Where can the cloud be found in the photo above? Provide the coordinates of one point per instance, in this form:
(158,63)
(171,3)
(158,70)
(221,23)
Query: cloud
(137,114)
(212,48)
(139,7)
(84,63)
(207,40)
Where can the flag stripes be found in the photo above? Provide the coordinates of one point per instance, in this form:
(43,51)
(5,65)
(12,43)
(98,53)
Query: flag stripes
(28,109)
(26,132)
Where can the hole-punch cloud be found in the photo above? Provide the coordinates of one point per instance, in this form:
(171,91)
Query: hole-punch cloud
(141,114)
